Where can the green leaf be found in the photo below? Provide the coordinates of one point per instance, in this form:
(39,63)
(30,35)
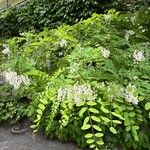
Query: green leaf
(82,111)
(136,127)
(33,126)
(134,133)
(92,146)
(141,98)
(93,110)
(128,128)
(117,121)
(100,142)
(113,130)
(91,103)
(105,119)
(127,122)
(35,130)
(97,128)
(41,106)
(147,106)
(44,101)
(130,107)
(89,141)
(39,117)
(117,115)
(89,135)
(85,127)
(86,120)
(39,111)
(81,103)
(132,114)
(95,118)
(104,109)
(99,135)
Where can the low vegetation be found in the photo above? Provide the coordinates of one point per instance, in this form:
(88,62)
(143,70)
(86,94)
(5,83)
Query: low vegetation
(87,83)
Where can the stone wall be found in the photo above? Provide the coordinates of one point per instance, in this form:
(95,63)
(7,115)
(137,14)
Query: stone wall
(4,4)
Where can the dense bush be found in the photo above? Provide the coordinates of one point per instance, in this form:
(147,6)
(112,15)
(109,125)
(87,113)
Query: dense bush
(12,107)
(48,13)
(37,14)
(87,83)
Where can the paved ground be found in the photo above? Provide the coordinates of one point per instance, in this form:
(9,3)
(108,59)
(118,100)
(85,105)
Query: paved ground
(29,141)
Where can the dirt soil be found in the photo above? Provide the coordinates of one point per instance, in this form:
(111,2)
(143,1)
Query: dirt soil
(29,141)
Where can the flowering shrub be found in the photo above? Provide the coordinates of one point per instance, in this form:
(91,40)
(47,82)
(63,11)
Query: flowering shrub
(89,82)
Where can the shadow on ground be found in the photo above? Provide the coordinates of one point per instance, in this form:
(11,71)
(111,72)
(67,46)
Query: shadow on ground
(29,141)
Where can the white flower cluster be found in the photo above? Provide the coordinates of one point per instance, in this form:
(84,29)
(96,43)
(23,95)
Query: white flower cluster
(128,34)
(105,52)
(14,79)
(130,94)
(138,56)
(76,93)
(6,49)
(63,43)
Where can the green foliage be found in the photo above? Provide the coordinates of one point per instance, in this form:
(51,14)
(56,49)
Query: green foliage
(11,107)
(37,14)
(89,82)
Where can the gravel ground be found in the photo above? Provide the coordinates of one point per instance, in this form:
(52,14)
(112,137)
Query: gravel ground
(29,141)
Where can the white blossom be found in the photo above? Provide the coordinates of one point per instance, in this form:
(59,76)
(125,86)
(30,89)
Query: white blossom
(138,56)
(135,78)
(133,19)
(102,84)
(76,93)
(14,79)
(74,67)
(128,34)
(6,49)
(107,17)
(105,52)
(130,95)
(63,43)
